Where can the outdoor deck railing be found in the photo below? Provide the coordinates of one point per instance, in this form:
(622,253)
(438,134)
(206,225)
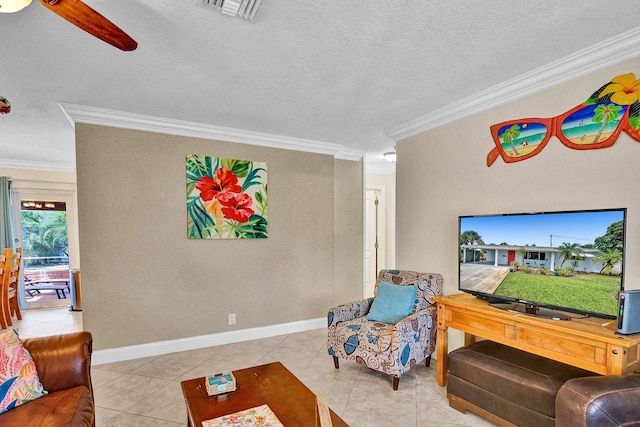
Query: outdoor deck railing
(51,267)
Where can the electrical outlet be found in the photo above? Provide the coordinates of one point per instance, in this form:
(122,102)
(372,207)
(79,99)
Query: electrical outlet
(232,318)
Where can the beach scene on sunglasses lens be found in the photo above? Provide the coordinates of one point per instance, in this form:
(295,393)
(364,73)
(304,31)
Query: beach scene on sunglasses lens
(594,124)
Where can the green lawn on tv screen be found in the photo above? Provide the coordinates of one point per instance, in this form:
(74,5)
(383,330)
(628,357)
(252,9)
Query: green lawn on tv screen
(590,292)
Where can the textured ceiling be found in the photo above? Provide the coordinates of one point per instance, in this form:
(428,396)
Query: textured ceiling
(338,72)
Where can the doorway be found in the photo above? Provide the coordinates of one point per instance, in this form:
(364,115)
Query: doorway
(374,238)
(42,227)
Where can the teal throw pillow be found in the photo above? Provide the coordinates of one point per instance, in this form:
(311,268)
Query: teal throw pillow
(392,303)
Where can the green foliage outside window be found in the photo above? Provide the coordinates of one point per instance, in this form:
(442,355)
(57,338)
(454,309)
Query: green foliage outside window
(44,234)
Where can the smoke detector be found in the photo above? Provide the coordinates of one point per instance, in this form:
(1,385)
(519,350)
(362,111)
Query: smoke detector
(245,9)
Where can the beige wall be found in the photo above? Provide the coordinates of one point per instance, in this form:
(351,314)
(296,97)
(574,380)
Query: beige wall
(144,281)
(348,215)
(442,173)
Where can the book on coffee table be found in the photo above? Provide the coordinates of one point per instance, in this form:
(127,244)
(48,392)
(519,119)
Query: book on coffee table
(260,416)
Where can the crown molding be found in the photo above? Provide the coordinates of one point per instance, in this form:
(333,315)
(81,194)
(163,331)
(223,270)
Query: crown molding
(381,169)
(105,117)
(57,167)
(348,154)
(611,51)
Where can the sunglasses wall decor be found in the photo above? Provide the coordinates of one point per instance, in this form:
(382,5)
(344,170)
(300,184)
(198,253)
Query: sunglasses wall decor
(596,123)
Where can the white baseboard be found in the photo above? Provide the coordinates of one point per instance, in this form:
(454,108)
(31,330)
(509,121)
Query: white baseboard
(119,354)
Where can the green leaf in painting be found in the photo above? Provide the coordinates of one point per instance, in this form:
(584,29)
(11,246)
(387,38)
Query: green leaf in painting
(260,226)
(198,166)
(191,185)
(255,228)
(239,167)
(252,178)
(595,96)
(261,201)
(198,219)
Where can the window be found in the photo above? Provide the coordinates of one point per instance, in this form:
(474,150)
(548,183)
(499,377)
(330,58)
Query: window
(541,256)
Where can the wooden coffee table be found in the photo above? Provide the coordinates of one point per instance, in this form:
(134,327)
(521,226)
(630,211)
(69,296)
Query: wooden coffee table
(272,384)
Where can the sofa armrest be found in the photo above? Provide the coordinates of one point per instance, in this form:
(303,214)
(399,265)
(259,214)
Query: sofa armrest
(421,316)
(349,311)
(599,401)
(62,361)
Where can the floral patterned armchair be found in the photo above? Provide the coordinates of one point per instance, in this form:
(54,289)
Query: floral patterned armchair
(389,348)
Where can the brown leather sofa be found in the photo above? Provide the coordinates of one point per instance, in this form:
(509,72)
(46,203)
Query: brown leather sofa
(63,363)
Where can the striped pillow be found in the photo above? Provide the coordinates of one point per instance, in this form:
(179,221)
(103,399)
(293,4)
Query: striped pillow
(19,381)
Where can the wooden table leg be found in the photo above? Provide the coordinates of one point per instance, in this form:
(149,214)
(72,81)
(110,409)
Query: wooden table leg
(469,339)
(442,348)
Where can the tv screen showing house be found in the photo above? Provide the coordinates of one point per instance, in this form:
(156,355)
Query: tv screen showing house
(570,260)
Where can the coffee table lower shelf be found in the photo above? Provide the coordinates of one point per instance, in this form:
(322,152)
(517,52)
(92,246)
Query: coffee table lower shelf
(272,384)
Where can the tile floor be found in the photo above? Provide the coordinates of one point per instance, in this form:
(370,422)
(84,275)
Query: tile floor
(49,321)
(146,392)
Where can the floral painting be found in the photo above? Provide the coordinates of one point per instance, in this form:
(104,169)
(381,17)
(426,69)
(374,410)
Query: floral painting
(226,198)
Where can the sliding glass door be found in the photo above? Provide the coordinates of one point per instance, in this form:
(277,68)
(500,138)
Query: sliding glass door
(41,227)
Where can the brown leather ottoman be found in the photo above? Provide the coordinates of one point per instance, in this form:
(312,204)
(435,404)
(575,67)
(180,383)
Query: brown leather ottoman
(599,402)
(506,385)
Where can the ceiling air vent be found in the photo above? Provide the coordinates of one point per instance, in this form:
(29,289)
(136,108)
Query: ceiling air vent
(242,8)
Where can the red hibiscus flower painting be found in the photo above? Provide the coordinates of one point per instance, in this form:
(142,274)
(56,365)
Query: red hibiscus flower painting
(223,182)
(237,207)
(226,198)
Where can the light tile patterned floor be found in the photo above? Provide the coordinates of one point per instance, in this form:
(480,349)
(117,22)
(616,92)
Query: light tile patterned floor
(146,392)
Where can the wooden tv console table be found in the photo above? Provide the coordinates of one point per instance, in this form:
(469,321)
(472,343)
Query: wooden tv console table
(584,343)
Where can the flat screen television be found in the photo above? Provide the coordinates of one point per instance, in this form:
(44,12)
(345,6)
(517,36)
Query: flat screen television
(559,265)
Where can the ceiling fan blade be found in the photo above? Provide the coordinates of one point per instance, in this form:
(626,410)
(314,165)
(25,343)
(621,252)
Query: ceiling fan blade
(87,19)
